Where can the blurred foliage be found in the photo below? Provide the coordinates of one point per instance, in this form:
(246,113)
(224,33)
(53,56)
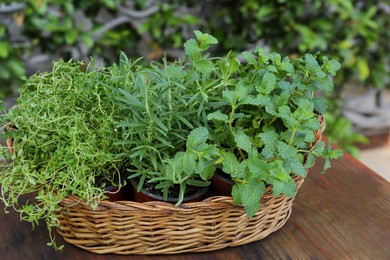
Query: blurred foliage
(357,33)
(342,134)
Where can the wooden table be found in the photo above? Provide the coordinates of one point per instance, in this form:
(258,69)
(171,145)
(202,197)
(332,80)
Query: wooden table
(344,214)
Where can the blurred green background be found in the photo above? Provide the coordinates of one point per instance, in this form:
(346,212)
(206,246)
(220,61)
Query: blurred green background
(33,33)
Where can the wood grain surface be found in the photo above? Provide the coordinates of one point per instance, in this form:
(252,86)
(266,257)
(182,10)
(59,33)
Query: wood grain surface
(344,214)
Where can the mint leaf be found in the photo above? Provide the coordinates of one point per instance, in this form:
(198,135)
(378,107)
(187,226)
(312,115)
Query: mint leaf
(249,58)
(206,170)
(270,108)
(310,161)
(296,167)
(251,193)
(331,66)
(269,138)
(286,151)
(286,66)
(230,96)
(276,58)
(243,141)
(284,112)
(323,84)
(186,162)
(272,68)
(287,188)
(205,39)
(259,100)
(233,65)
(318,148)
(267,83)
(258,167)
(241,91)
(320,105)
(203,65)
(335,154)
(311,63)
(236,194)
(218,115)
(191,48)
(230,163)
(197,136)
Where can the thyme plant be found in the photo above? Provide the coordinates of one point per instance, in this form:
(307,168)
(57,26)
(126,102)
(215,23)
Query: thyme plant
(63,132)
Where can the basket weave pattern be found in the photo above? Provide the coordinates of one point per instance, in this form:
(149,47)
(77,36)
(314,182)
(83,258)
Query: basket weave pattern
(126,227)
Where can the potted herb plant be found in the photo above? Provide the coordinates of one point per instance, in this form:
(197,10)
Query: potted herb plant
(260,119)
(173,126)
(267,123)
(163,129)
(63,126)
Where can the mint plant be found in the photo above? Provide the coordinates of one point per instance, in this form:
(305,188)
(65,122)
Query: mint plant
(195,166)
(266,121)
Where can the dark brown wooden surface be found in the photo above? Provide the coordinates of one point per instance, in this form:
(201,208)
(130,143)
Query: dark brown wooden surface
(344,214)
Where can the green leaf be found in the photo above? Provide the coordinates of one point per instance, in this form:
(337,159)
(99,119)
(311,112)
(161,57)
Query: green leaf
(205,172)
(272,68)
(205,39)
(335,154)
(230,163)
(250,196)
(249,58)
(186,162)
(233,65)
(331,66)
(241,90)
(198,183)
(71,37)
(258,167)
(270,108)
(324,84)
(218,115)
(318,148)
(204,66)
(310,161)
(320,105)
(311,63)
(236,194)
(191,48)
(259,100)
(288,188)
(269,138)
(197,136)
(267,84)
(286,66)
(230,96)
(284,112)
(243,141)
(296,167)
(286,151)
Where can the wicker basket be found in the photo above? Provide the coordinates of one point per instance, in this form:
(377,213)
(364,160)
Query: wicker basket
(127,227)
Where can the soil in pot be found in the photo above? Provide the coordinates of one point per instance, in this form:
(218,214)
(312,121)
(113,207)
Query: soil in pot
(149,193)
(221,184)
(114,193)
